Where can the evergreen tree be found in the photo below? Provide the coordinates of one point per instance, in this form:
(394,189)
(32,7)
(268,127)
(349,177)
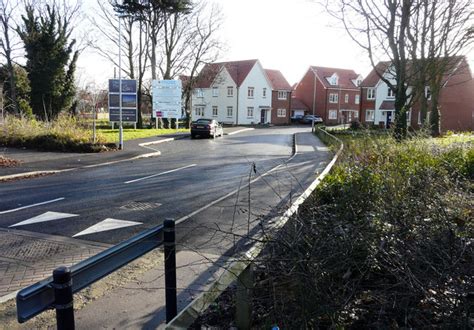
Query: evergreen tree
(22,88)
(51,61)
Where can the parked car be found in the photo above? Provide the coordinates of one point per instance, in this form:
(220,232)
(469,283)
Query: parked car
(307,119)
(206,127)
(296,118)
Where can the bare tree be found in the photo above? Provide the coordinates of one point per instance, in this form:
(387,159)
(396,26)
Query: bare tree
(418,37)
(134,45)
(9,43)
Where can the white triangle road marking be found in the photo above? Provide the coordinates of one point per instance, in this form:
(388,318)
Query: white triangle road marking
(48,216)
(107,224)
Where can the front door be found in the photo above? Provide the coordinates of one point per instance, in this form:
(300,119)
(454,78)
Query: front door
(389,119)
(263,116)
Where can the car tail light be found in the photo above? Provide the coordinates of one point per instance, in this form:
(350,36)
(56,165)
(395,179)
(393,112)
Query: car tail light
(208,126)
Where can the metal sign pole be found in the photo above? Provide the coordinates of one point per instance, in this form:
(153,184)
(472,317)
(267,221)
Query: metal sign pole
(120,85)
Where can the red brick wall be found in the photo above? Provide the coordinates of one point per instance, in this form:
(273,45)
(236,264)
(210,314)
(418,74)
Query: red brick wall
(305,91)
(365,105)
(280,104)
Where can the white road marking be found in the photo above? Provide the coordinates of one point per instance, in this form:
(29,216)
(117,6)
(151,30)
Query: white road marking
(48,216)
(107,224)
(32,205)
(158,174)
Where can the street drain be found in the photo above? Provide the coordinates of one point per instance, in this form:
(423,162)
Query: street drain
(140,206)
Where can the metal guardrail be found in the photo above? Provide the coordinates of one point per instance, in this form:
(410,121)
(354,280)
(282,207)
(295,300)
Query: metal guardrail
(40,296)
(235,270)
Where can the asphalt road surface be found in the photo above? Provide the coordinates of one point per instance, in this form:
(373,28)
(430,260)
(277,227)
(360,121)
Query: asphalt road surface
(218,190)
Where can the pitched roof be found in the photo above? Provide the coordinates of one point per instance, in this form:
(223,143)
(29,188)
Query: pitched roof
(297,104)
(238,70)
(372,79)
(387,105)
(345,76)
(277,80)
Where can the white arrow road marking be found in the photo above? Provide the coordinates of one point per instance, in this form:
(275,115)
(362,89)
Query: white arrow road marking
(158,174)
(32,205)
(48,216)
(107,224)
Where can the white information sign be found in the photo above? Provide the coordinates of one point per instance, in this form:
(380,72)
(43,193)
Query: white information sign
(166,98)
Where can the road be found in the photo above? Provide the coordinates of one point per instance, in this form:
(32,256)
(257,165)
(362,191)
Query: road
(196,182)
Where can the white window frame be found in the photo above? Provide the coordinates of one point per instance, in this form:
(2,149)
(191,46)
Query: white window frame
(199,93)
(356,114)
(370,93)
(215,111)
(230,91)
(282,95)
(281,112)
(333,97)
(428,93)
(199,111)
(371,117)
(230,112)
(331,115)
(346,98)
(357,99)
(264,92)
(390,93)
(215,91)
(409,118)
(250,92)
(419,117)
(249,112)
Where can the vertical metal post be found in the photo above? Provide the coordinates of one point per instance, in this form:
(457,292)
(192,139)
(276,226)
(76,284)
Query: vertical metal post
(63,300)
(120,84)
(170,269)
(243,305)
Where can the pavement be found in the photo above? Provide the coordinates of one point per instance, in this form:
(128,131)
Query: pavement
(34,163)
(140,303)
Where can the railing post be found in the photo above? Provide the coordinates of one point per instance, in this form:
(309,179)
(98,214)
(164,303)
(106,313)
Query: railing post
(243,306)
(63,299)
(170,269)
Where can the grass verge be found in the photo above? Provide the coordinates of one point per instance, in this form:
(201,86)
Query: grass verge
(111,135)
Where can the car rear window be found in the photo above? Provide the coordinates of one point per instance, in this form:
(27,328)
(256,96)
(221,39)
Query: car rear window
(203,121)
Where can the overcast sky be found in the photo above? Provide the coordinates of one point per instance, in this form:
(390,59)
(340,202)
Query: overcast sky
(284,35)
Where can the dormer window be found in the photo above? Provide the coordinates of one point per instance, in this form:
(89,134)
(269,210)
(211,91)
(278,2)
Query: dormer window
(334,79)
(358,82)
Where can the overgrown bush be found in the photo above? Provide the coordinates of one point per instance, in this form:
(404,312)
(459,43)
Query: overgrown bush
(386,241)
(64,134)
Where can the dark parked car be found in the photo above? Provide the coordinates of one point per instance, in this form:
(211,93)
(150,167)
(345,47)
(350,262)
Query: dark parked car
(296,118)
(206,127)
(309,118)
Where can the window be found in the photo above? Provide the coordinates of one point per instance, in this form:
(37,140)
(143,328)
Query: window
(332,114)
(358,82)
(369,115)
(370,94)
(199,93)
(250,92)
(264,92)
(333,98)
(281,113)
(230,91)
(356,114)
(428,93)
(334,79)
(282,95)
(409,118)
(199,111)
(357,99)
(346,98)
(215,91)
(250,112)
(390,93)
(230,111)
(214,111)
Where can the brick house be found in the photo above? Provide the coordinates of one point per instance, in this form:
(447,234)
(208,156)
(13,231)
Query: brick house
(281,97)
(333,93)
(456,100)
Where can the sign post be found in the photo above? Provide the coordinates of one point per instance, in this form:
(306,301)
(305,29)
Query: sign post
(167,99)
(122,102)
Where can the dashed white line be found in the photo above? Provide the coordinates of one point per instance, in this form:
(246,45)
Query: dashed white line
(158,174)
(32,205)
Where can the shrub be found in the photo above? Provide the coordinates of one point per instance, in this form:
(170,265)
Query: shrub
(64,134)
(385,242)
